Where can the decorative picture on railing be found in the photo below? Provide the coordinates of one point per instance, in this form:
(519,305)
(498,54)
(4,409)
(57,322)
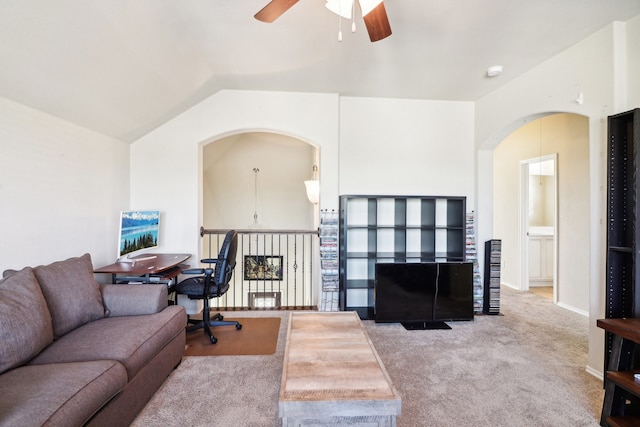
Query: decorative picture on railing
(262,267)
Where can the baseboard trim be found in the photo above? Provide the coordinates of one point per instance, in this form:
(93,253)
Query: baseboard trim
(509,285)
(575,310)
(596,373)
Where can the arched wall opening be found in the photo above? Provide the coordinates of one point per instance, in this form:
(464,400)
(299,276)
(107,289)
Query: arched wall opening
(256,179)
(566,136)
(253,182)
(486,142)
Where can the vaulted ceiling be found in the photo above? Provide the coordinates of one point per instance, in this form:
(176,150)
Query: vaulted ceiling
(123,67)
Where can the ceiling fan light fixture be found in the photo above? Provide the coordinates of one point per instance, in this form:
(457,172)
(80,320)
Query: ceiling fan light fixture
(341,7)
(374,15)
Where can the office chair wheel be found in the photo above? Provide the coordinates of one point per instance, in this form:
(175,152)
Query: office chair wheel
(238,326)
(213,340)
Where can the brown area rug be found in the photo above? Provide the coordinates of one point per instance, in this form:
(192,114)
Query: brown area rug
(258,336)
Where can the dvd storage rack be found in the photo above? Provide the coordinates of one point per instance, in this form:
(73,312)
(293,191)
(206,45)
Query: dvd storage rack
(472,256)
(329,260)
(492,256)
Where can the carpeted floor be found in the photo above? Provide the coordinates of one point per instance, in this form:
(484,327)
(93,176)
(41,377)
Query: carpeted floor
(258,336)
(524,368)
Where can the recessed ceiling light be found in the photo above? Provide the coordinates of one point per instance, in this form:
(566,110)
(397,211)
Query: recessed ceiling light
(494,71)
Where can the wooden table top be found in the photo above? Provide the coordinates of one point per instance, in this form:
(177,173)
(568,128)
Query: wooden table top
(626,328)
(330,357)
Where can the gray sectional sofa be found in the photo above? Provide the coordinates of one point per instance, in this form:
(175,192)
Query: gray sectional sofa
(74,352)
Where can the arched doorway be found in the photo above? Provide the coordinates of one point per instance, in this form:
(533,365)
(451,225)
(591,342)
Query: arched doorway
(538,225)
(567,137)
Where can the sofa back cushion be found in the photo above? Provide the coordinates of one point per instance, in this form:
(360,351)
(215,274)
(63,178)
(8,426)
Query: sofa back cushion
(25,321)
(72,293)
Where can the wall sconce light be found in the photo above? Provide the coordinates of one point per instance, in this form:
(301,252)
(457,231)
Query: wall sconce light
(313,187)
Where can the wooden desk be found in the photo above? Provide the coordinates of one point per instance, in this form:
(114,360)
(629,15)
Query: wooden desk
(333,375)
(161,269)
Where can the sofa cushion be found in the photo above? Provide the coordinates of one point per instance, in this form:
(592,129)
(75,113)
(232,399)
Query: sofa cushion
(132,300)
(65,394)
(72,293)
(25,322)
(131,340)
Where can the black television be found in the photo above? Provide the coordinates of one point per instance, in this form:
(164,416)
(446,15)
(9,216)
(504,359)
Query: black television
(423,295)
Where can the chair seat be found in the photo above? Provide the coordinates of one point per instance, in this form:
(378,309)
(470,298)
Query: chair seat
(193,287)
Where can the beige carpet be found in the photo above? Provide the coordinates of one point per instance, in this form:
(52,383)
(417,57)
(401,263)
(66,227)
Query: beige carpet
(524,368)
(258,336)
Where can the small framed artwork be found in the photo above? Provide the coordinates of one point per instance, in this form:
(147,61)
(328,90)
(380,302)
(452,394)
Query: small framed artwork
(262,267)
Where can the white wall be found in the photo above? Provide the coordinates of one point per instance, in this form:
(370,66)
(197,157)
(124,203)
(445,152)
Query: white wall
(407,147)
(61,189)
(633,62)
(542,199)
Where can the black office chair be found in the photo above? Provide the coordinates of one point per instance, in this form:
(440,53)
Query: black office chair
(213,284)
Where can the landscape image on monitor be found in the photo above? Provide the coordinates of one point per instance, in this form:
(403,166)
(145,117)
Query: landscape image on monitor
(138,230)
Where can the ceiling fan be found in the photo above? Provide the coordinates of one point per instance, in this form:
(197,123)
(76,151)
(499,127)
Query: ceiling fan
(373,13)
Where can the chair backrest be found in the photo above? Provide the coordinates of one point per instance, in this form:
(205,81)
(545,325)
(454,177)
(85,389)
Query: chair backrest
(226,259)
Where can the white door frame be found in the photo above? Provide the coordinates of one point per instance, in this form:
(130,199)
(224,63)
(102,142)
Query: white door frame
(523,224)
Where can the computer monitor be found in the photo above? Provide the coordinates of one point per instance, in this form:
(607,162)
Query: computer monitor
(138,232)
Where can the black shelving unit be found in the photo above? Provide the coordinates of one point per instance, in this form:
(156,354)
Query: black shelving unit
(623,232)
(623,268)
(376,229)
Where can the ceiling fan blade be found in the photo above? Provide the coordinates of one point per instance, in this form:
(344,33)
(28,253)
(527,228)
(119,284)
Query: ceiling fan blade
(377,23)
(274,9)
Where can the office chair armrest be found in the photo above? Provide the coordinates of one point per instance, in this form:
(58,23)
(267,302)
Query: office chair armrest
(193,271)
(210,260)
(131,300)
(208,271)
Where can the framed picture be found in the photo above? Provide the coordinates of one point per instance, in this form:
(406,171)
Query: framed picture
(262,267)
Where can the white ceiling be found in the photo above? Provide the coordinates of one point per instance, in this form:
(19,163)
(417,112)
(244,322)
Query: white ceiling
(123,67)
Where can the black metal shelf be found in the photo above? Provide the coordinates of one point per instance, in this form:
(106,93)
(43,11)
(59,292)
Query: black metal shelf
(623,243)
(394,229)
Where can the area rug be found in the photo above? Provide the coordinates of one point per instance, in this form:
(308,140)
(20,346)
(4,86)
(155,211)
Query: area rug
(258,336)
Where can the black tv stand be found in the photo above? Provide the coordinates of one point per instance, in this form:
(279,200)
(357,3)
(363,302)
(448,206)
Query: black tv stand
(424,326)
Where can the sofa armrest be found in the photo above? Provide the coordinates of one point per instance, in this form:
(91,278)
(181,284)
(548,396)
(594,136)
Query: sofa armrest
(131,300)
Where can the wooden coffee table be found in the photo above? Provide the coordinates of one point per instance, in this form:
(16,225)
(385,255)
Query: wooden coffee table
(333,375)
